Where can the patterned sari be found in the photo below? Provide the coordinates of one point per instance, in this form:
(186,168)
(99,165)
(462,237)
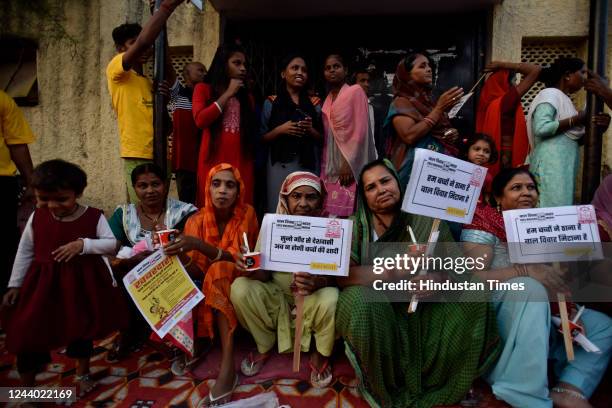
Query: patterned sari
(421,359)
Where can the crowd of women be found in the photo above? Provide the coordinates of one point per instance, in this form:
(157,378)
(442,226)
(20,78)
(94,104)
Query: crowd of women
(321,161)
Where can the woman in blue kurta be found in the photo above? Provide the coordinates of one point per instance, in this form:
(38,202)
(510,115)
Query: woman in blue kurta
(524,318)
(555,127)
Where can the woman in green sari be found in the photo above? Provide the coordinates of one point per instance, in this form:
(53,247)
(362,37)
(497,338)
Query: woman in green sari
(422,359)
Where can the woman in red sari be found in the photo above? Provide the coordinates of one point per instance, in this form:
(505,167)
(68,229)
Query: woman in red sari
(223,109)
(500,114)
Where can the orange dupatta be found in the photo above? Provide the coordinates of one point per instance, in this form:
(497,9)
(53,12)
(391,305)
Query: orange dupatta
(220,275)
(489,117)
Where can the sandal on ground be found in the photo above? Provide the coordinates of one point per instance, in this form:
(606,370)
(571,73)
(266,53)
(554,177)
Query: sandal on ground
(251,366)
(183,364)
(320,377)
(86,384)
(212,401)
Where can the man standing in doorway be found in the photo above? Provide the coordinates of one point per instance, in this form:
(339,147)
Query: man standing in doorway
(131,92)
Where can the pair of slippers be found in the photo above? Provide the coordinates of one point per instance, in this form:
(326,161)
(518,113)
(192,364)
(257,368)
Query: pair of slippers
(319,377)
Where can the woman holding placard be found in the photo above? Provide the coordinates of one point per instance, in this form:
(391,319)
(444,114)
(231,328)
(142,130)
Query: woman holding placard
(524,317)
(211,246)
(554,127)
(264,300)
(422,359)
(415,120)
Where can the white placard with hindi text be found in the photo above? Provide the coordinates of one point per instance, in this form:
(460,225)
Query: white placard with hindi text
(315,245)
(556,234)
(443,187)
(455,109)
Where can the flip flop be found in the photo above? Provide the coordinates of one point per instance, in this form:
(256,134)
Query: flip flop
(212,401)
(252,366)
(321,377)
(183,364)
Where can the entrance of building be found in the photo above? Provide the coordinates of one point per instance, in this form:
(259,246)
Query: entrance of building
(455,44)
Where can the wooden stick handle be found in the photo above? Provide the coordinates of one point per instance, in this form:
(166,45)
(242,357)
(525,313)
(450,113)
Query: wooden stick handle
(565,327)
(477,82)
(567,336)
(297,343)
(435,225)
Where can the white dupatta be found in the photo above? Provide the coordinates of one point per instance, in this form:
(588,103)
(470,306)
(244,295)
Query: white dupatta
(565,109)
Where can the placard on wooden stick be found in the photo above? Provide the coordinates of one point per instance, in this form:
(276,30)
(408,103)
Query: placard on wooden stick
(556,234)
(315,245)
(443,187)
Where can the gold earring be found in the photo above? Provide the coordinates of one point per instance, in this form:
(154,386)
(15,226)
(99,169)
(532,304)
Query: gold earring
(499,209)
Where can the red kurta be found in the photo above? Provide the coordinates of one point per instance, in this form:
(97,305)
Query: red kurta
(229,149)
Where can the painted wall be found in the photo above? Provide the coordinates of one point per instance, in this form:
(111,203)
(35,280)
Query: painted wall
(514,20)
(74,119)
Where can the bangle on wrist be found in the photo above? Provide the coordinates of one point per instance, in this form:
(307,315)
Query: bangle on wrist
(219,255)
(218,106)
(429,121)
(186,265)
(521,270)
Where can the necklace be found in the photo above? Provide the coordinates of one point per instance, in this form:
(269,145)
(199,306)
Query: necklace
(153,220)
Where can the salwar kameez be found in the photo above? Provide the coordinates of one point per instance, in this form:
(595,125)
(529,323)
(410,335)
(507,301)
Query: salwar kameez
(264,309)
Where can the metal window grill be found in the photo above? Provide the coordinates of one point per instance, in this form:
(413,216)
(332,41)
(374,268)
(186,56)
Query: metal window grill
(179,56)
(545,53)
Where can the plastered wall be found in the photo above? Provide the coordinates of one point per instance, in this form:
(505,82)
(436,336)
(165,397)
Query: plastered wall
(514,20)
(74,119)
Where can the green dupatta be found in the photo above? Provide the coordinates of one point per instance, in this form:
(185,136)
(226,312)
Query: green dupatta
(423,359)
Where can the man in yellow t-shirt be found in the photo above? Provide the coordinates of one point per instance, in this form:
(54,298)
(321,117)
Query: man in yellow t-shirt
(131,92)
(15,135)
